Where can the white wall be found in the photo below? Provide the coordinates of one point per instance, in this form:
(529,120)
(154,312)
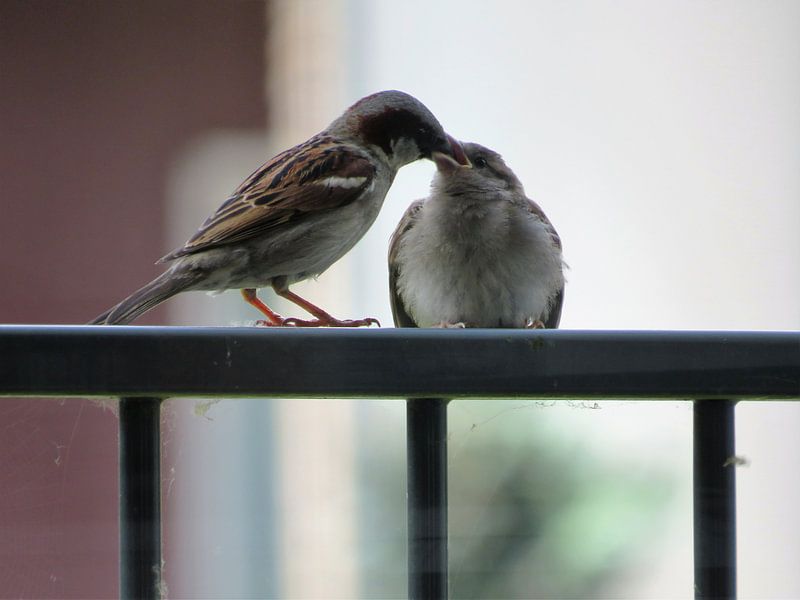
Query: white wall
(662,139)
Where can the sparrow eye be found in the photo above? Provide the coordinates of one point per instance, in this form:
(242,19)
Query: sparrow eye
(479,162)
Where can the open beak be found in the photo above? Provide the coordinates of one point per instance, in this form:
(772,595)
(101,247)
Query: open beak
(455,160)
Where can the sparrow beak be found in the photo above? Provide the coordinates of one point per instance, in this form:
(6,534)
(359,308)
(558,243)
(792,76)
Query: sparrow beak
(450,162)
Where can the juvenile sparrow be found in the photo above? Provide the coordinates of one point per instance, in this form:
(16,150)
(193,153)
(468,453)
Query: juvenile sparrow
(475,253)
(301,211)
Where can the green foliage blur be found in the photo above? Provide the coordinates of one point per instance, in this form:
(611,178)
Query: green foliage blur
(534,510)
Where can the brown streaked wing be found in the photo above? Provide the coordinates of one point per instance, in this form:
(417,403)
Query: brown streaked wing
(286,188)
(399,314)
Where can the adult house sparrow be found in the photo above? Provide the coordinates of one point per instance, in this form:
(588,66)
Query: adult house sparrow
(476,253)
(301,211)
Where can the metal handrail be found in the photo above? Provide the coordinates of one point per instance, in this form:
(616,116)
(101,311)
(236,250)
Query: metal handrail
(144,365)
(396,363)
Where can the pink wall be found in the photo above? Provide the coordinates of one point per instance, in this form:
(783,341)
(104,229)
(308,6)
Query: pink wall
(96,98)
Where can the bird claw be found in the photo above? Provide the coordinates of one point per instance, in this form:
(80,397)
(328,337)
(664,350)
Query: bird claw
(448,325)
(265,323)
(332,322)
(531,324)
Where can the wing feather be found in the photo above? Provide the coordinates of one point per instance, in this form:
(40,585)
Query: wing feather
(554,315)
(537,210)
(401,317)
(318,175)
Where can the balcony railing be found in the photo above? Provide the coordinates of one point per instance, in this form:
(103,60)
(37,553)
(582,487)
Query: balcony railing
(144,365)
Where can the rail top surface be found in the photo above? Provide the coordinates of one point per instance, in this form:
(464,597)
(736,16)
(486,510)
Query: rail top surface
(65,360)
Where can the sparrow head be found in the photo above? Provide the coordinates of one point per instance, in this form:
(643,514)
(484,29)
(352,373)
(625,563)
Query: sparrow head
(400,127)
(489,173)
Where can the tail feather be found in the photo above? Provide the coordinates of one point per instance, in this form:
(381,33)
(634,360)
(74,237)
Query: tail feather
(139,302)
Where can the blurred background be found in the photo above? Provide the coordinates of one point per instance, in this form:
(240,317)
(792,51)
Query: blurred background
(663,141)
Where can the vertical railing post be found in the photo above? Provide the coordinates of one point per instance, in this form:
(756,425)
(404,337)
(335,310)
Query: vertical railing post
(140,498)
(426,420)
(714,500)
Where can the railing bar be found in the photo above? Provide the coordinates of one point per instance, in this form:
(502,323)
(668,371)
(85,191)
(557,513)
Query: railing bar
(714,500)
(396,363)
(426,435)
(140,498)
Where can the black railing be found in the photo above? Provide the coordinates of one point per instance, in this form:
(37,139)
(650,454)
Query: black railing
(143,365)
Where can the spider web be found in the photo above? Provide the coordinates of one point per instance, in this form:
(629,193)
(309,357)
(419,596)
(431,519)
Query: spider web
(58,499)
